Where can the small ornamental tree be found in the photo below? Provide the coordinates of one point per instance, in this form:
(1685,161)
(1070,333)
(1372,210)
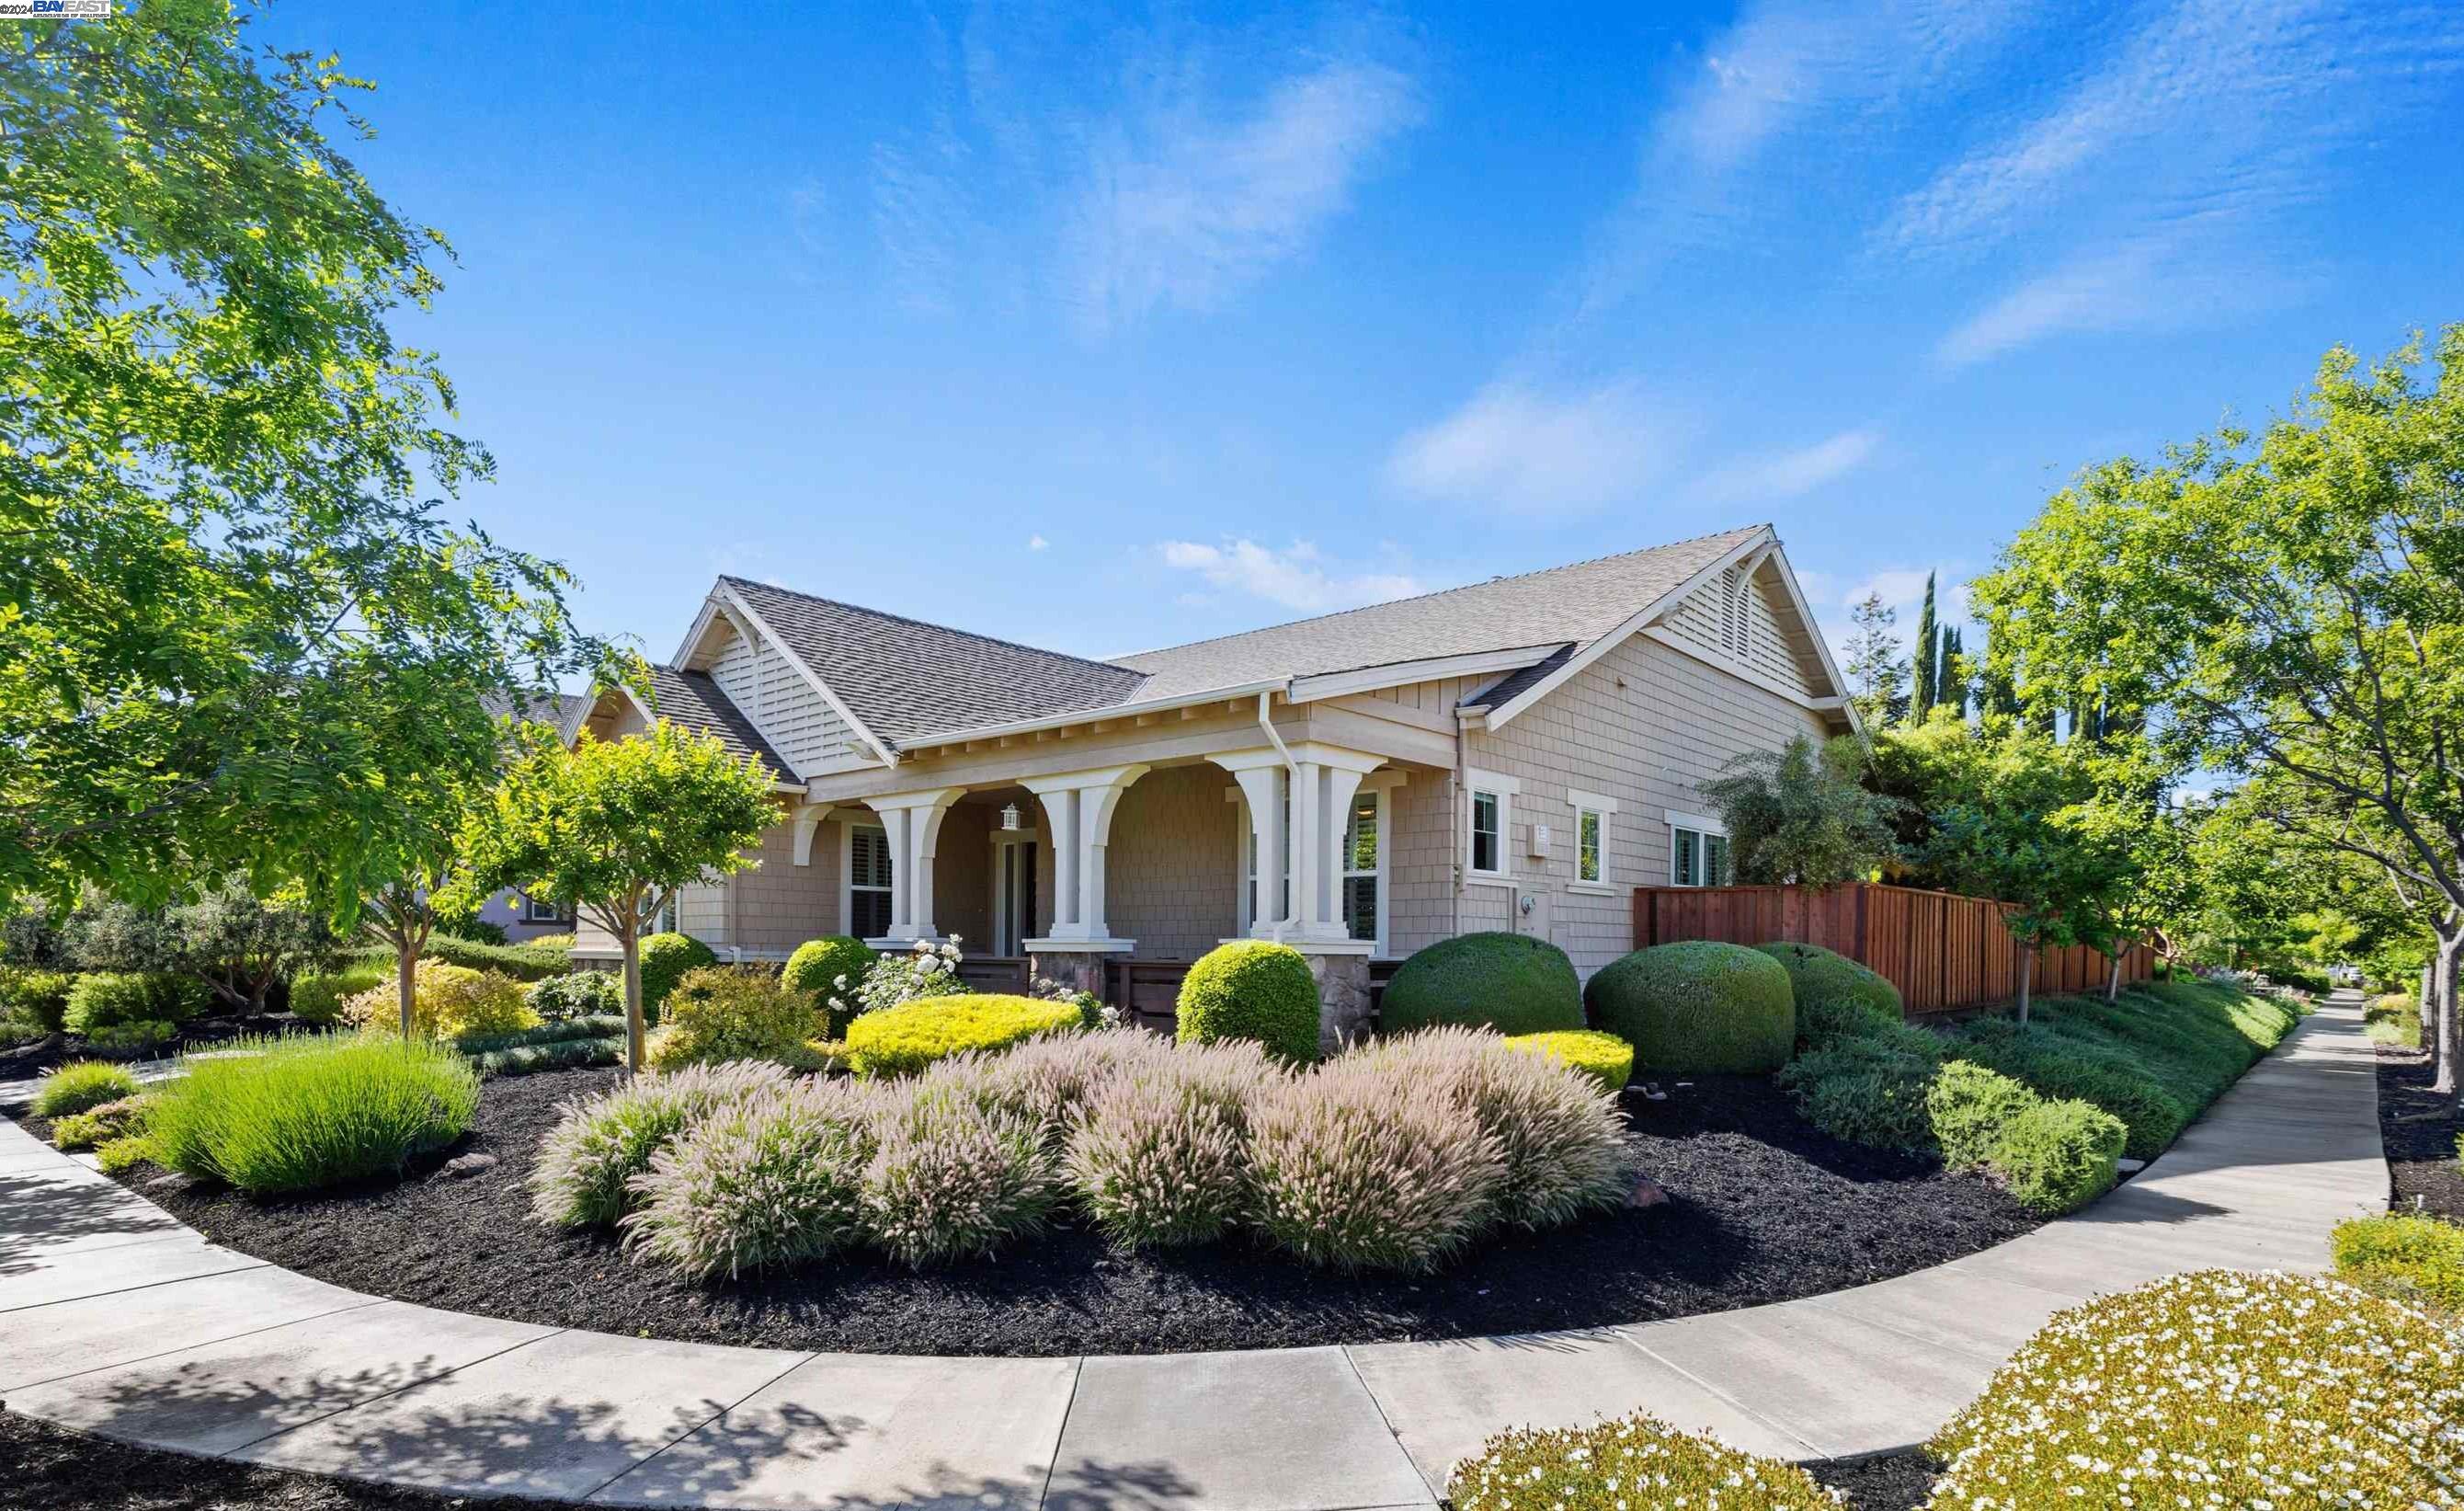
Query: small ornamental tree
(1802,815)
(613,828)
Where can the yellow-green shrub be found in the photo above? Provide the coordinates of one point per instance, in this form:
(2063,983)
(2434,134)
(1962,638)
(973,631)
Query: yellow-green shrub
(112,1120)
(2218,1389)
(901,1040)
(2423,1254)
(320,998)
(1604,1058)
(717,1013)
(447,1002)
(1634,1463)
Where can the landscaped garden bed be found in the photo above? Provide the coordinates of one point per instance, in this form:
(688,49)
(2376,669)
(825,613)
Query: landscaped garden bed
(1762,1207)
(2425,1164)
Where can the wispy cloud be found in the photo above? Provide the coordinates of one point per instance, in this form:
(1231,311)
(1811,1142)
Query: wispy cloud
(1787,474)
(1037,542)
(1536,452)
(1296,577)
(2141,286)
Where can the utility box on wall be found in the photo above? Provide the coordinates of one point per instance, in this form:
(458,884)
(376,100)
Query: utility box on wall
(1541,835)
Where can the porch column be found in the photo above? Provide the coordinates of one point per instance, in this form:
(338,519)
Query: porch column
(1322,780)
(1079,806)
(1261,774)
(911,823)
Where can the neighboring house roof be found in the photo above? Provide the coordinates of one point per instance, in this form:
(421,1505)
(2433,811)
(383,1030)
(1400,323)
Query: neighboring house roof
(1560,606)
(690,699)
(903,678)
(562,711)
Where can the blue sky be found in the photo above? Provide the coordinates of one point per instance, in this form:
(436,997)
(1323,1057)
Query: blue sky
(1103,330)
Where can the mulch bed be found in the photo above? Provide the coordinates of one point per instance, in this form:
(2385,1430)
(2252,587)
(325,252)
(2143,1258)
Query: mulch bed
(1897,1482)
(1763,1208)
(2421,1155)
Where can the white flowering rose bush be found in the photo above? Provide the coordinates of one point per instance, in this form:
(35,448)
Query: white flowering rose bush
(1634,1463)
(931,969)
(2218,1389)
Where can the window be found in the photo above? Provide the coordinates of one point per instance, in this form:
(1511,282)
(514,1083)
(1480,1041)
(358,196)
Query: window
(1698,852)
(868,885)
(1591,813)
(1488,805)
(538,910)
(1361,838)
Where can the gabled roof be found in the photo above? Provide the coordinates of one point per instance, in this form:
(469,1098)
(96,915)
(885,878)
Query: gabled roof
(903,678)
(691,699)
(561,712)
(1559,607)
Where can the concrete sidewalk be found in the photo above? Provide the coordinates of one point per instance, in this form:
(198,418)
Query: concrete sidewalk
(117,1321)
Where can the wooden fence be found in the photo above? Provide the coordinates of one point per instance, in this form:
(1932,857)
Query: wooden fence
(1943,951)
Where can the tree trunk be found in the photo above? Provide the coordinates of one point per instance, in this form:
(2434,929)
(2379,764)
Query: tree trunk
(2427,1007)
(634,1047)
(406,984)
(2113,979)
(2446,1083)
(2027,969)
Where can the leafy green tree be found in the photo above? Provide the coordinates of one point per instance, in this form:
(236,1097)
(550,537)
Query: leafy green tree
(1803,814)
(233,620)
(1955,675)
(613,828)
(2135,848)
(1926,685)
(1878,670)
(239,944)
(2289,602)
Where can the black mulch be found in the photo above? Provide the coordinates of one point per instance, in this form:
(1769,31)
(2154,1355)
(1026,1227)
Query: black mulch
(2421,1151)
(1897,1483)
(1765,1209)
(45,1469)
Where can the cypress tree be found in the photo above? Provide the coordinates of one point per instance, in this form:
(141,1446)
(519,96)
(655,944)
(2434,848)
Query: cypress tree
(1928,660)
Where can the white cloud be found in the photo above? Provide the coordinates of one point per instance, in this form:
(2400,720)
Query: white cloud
(1536,453)
(2139,286)
(1785,475)
(1037,542)
(1296,577)
(1181,210)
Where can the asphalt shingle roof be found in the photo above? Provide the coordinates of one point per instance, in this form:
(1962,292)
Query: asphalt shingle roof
(690,699)
(907,679)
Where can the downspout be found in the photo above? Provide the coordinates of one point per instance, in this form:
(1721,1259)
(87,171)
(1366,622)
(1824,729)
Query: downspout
(1291,779)
(1454,826)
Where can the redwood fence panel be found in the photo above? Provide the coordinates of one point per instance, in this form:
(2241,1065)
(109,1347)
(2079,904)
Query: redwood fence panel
(1943,951)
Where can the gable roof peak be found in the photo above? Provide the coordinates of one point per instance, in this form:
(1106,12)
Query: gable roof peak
(844,607)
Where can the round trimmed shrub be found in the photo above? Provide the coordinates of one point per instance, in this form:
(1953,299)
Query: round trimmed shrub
(665,960)
(1604,1058)
(904,1039)
(1967,1107)
(583,1177)
(1251,989)
(2218,1389)
(1836,997)
(581,995)
(1636,1460)
(816,967)
(774,1179)
(1698,1006)
(1355,1167)
(82,1086)
(2059,1156)
(1512,983)
(719,1013)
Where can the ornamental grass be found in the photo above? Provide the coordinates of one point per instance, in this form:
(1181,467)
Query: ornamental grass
(82,1086)
(1634,1463)
(2218,1389)
(276,1115)
(587,1164)
(762,1182)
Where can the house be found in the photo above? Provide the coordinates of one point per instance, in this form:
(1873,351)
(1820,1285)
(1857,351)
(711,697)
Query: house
(1514,754)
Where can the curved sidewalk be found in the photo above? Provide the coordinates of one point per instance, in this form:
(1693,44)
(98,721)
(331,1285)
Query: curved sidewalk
(116,1320)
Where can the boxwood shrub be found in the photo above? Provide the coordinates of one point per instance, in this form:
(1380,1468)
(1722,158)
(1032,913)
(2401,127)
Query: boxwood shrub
(904,1039)
(1835,995)
(2218,1389)
(82,1086)
(2059,1156)
(1251,989)
(296,1114)
(1508,982)
(816,967)
(1697,1006)
(1603,1057)
(665,960)
(1632,1463)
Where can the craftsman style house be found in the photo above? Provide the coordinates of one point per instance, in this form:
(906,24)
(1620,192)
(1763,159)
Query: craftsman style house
(1515,754)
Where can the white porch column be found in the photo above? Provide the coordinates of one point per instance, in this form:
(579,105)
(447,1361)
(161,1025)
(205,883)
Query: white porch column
(1079,806)
(1323,780)
(808,820)
(911,823)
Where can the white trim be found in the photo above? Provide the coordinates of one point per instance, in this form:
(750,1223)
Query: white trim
(1507,712)
(812,678)
(1594,889)
(945,738)
(808,819)
(1821,648)
(1709,826)
(1383,871)
(1741,672)
(1605,809)
(1403,674)
(1594,800)
(1008,839)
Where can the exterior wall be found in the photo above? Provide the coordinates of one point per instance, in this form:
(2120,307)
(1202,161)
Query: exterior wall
(1643,725)
(1171,871)
(765,686)
(780,904)
(504,909)
(962,876)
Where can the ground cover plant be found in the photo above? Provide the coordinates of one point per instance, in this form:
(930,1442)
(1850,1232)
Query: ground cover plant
(2218,1389)
(551,1046)
(2418,1258)
(1604,1058)
(1512,983)
(270,1115)
(82,1086)
(122,1118)
(904,1039)
(1697,1006)
(1627,1464)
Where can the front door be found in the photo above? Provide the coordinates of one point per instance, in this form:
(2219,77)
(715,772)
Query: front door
(1013,894)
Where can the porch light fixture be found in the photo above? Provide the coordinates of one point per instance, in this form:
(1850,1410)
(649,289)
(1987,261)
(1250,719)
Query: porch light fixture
(1009,815)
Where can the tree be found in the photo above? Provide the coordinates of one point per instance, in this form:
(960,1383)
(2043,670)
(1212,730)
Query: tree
(1927,677)
(1953,691)
(2290,604)
(1876,669)
(239,944)
(1801,814)
(613,828)
(232,622)
(2135,849)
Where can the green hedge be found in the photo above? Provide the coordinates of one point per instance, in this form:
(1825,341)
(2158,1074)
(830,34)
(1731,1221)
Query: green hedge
(901,1040)
(1251,989)
(110,999)
(1697,1006)
(1512,983)
(665,960)
(521,961)
(816,967)
(1835,995)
